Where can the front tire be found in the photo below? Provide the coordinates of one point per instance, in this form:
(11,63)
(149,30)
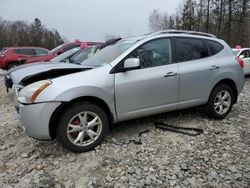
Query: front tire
(220,102)
(82,127)
(12,65)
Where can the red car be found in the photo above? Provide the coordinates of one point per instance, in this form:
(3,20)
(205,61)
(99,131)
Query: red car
(11,56)
(57,51)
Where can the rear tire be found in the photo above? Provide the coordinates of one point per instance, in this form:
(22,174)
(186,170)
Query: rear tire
(82,127)
(220,102)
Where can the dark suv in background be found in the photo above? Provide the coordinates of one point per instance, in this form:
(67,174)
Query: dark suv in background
(11,56)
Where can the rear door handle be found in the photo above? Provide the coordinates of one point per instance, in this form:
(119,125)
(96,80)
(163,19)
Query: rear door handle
(213,67)
(170,74)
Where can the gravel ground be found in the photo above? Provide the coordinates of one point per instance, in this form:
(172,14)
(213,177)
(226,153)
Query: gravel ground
(218,158)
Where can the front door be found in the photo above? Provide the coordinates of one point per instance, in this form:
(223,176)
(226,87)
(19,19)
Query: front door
(151,89)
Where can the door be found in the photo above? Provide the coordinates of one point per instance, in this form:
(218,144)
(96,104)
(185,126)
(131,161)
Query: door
(153,88)
(246,58)
(196,71)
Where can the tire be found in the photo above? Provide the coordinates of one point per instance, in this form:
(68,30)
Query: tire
(75,134)
(213,106)
(11,65)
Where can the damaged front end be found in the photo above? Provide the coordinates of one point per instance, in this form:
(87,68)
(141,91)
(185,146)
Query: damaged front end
(49,74)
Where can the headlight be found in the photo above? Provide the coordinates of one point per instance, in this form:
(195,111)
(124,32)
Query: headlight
(29,93)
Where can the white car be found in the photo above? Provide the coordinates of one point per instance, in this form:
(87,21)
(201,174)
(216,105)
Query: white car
(244,54)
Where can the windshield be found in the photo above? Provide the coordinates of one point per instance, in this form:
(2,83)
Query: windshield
(55,49)
(82,55)
(109,53)
(65,55)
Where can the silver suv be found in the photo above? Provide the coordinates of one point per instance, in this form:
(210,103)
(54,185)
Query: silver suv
(135,77)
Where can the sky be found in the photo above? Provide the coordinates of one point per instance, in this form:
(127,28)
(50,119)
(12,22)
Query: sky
(88,20)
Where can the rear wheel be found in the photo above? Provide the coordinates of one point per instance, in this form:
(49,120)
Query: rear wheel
(82,127)
(220,101)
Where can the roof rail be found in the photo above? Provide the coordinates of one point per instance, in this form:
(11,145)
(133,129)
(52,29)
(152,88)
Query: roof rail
(182,32)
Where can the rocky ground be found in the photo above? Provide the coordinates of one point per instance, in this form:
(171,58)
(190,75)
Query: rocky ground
(218,158)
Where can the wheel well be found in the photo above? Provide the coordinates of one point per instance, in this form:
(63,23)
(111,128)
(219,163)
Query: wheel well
(232,84)
(11,62)
(56,114)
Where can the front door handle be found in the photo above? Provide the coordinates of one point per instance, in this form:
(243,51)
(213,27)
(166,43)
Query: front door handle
(170,74)
(213,67)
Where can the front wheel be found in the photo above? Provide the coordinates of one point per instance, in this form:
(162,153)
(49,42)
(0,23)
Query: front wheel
(220,102)
(82,127)
(11,66)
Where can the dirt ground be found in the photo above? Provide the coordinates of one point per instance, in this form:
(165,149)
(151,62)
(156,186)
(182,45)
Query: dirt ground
(218,158)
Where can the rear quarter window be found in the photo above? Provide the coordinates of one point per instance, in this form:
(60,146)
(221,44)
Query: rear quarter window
(214,47)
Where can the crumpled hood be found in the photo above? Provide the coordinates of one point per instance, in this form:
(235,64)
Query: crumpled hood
(27,65)
(38,68)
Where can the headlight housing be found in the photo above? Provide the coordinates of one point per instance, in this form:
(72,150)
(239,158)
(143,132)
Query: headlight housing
(28,94)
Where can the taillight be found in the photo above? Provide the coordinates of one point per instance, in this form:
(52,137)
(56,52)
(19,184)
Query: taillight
(240,61)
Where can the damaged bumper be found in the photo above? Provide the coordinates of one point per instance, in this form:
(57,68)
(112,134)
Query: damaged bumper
(35,119)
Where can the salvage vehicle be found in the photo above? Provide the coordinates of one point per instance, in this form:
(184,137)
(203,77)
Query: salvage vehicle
(9,57)
(132,78)
(244,54)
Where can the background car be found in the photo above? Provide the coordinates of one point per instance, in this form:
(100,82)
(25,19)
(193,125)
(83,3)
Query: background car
(132,78)
(57,51)
(11,56)
(17,75)
(244,54)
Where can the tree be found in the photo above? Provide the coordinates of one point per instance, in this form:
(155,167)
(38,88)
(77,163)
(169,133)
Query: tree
(20,33)
(227,19)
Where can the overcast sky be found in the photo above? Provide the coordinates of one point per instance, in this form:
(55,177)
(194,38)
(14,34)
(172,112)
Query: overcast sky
(88,20)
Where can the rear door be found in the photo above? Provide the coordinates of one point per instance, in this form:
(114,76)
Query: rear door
(196,70)
(151,89)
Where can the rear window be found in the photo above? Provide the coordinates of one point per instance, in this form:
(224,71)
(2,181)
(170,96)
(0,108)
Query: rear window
(188,49)
(214,47)
(27,51)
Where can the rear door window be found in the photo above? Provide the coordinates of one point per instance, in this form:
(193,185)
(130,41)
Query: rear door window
(214,47)
(26,51)
(188,49)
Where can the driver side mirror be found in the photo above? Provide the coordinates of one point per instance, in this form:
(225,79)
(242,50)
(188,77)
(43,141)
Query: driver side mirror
(132,63)
(242,56)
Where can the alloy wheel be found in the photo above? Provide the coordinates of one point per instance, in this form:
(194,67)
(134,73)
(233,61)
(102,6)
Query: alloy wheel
(222,102)
(84,128)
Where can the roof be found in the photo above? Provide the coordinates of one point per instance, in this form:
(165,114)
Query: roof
(185,32)
(23,47)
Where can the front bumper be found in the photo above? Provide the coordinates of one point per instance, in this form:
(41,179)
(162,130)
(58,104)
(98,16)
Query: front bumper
(35,119)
